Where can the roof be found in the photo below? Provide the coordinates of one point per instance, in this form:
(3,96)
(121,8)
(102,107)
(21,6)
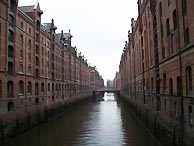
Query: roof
(67,35)
(25,15)
(58,37)
(27,9)
(47,26)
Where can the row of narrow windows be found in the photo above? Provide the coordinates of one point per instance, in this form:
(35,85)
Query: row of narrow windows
(175,25)
(188,81)
(188,84)
(10,85)
(10,88)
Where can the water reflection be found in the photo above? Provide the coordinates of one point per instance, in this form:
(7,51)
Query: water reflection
(103,123)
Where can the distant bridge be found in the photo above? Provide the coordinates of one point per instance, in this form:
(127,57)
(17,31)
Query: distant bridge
(108,90)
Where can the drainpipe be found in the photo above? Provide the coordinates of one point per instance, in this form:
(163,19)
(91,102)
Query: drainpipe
(180,71)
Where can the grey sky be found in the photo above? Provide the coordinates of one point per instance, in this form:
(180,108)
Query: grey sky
(99,27)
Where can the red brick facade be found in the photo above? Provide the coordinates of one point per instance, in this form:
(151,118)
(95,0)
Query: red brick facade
(157,64)
(38,67)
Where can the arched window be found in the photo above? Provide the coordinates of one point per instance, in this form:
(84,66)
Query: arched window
(37,73)
(11,20)
(10,89)
(22,25)
(10,106)
(29,69)
(53,89)
(167,27)
(171,87)
(37,61)
(21,40)
(10,51)
(188,79)
(10,68)
(62,88)
(12,5)
(37,49)
(174,19)
(172,43)
(21,67)
(185,6)
(160,8)
(42,87)
(29,87)
(187,39)
(49,87)
(10,36)
(21,87)
(29,44)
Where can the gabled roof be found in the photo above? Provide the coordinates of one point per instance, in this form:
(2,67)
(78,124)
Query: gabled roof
(27,9)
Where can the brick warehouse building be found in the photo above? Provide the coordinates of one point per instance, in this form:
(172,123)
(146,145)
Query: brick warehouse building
(157,66)
(38,67)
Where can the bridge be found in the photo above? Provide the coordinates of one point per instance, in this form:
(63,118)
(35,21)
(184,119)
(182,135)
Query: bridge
(108,90)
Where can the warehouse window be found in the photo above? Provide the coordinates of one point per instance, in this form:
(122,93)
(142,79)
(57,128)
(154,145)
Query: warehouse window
(187,36)
(10,89)
(29,87)
(167,27)
(48,87)
(10,68)
(10,51)
(42,87)
(174,19)
(160,8)
(21,87)
(171,87)
(188,79)
(185,6)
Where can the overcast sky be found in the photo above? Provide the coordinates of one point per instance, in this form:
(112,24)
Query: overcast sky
(99,27)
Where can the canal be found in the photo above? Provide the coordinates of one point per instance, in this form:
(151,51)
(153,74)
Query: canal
(99,123)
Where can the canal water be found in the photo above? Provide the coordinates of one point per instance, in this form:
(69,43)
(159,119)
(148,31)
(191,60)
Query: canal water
(99,123)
